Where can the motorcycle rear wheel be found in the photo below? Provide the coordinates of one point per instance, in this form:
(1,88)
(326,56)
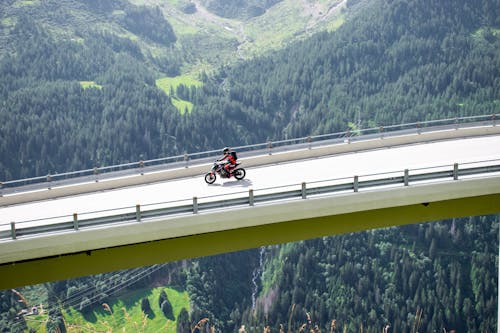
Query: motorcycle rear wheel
(210,178)
(239,173)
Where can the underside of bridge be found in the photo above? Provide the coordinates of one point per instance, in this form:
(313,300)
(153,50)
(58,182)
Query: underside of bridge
(110,259)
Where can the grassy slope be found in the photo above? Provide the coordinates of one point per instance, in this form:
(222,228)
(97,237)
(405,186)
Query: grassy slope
(287,21)
(169,84)
(125,316)
(205,40)
(213,40)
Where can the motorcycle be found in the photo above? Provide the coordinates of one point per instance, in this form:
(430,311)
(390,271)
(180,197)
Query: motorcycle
(218,168)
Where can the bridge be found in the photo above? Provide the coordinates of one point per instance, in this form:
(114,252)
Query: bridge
(101,220)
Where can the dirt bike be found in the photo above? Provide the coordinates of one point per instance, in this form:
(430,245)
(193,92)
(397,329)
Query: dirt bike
(218,168)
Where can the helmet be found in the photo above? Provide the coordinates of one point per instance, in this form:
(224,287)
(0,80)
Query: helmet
(226,150)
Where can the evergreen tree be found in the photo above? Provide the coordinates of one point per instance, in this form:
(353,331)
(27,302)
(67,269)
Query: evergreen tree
(166,306)
(183,325)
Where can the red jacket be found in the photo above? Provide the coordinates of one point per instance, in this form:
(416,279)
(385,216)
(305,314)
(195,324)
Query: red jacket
(229,158)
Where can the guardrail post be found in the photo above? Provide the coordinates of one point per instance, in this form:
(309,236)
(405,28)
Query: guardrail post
(49,180)
(75,221)
(419,128)
(250,197)
(406,177)
(141,166)
(456,123)
(309,141)
(195,205)
(494,119)
(455,171)
(304,191)
(348,135)
(138,212)
(1,189)
(186,160)
(381,129)
(96,174)
(356,183)
(269,147)
(13,230)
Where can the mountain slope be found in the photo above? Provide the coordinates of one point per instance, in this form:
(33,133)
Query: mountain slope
(390,62)
(398,61)
(72,71)
(76,96)
(428,277)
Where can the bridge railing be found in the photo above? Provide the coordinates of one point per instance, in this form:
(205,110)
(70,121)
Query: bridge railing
(196,205)
(270,147)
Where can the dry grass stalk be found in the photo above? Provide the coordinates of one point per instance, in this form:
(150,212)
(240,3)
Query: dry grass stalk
(125,313)
(309,324)
(144,320)
(418,320)
(199,325)
(332,325)
(138,327)
(107,326)
(21,297)
(107,308)
(290,319)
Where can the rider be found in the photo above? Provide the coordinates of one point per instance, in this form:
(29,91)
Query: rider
(230,161)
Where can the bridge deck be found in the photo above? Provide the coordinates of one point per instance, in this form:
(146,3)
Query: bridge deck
(346,165)
(75,253)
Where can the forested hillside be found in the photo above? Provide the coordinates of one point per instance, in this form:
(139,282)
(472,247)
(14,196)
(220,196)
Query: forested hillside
(238,8)
(439,276)
(397,61)
(432,277)
(392,62)
(82,98)
(77,90)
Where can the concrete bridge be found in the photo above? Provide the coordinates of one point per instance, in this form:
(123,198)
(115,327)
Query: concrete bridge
(99,223)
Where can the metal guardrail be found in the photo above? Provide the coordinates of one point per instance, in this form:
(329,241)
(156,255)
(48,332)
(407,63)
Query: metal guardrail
(138,214)
(270,147)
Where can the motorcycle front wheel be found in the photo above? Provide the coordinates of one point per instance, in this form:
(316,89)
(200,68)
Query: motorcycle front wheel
(210,178)
(239,173)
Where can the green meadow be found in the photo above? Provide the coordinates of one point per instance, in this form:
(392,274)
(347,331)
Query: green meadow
(121,315)
(169,86)
(90,84)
